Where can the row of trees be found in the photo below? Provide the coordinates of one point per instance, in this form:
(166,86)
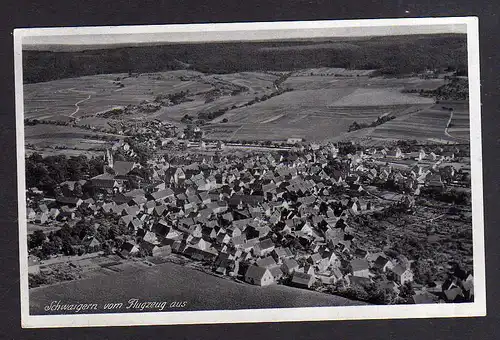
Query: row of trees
(380,120)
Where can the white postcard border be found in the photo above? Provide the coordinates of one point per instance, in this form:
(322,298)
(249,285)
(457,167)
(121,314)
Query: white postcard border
(283,30)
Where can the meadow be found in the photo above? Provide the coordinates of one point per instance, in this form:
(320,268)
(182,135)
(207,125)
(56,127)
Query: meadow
(171,282)
(315,104)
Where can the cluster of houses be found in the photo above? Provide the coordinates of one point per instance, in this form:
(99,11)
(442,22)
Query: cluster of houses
(265,218)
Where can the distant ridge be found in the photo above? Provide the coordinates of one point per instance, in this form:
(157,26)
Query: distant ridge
(391,55)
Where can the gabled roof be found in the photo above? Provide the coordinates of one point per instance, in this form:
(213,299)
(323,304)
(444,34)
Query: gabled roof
(290,263)
(266,262)
(162,194)
(276,271)
(256,273)
(399,269)
(122,168)
(381,261)
(266,244)
(359,264)
(301,278)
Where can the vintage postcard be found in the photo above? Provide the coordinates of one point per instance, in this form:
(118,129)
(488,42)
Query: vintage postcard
(250,172)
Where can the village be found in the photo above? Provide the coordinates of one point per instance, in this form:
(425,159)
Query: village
(256,213)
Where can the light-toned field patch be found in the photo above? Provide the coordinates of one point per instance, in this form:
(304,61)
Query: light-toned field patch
(377,97)
(425,84)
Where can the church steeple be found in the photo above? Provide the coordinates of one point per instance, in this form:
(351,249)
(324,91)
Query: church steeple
(108,160)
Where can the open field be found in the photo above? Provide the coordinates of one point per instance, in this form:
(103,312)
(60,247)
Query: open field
(47,135)
(302,80)
(313,114)
(421,125)
(323,104)
(428,125)
(170,282)
(90,95)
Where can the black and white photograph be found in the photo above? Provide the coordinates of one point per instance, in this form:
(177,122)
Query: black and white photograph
(249,172)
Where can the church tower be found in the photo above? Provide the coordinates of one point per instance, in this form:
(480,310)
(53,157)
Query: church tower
(109,159)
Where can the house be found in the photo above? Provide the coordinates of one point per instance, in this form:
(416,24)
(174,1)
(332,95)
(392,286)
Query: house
(289,266)
(360,253)
(314,258)
(148,236)
(434,181)
(107,183)
(281,253)
(159,210)
(264,247)
(223,238)
(30,214)
(199,243)
(403,274)
(92,244)
(54,212)
(137,201)
(468,286)
(135,224)
(122,168)
(454,294)
(259,276)
(164,250)
(175,176)
(331,277)
(294,140)
(331,257)
(359,280)
(131,210)
(41,218)
(308,269)
(238,241)
(276,272)
(149,207)
(162,195)
(424,298)
(383,263)
(302,280)
(395,153)
(360,268)
(200,255)
(266,262)
(128,249)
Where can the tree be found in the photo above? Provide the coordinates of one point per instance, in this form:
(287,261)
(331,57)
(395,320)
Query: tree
(36,239)
(406,291)
(423,271)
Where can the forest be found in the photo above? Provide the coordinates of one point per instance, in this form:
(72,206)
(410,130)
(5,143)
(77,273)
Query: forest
(389,55)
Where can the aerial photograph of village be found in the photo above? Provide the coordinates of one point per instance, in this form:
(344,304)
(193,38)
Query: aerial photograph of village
(248,174)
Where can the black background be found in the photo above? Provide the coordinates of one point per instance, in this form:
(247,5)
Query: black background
(45,13)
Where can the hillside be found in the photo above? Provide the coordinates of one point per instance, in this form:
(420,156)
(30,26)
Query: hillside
(389,55)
